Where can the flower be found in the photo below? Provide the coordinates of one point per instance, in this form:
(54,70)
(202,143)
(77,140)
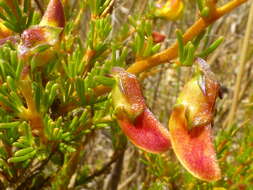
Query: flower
(171,9)
(45,35)
(191,125)
(135,119)
(42,38)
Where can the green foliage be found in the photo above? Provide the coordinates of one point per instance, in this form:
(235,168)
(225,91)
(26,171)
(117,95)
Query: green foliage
(143,44)
(19,17)
(51,113)
(203,8)
(186,53)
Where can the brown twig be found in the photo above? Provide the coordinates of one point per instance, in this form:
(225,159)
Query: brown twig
(118,168)
(27,179)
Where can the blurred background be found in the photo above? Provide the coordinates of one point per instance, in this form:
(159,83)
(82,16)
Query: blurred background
(135,169)
(110,162)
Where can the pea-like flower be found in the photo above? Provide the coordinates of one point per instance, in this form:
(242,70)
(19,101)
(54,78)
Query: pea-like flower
(40,37)
(191,125)
(170,9)
(135,119)
(190,122)
(45,35)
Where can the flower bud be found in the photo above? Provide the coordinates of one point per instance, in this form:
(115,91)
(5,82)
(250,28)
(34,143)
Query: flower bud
(158,37)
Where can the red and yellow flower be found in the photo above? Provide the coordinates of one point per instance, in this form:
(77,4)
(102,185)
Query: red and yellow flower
(135,119)
(171,9)
(190,122)
(191,125)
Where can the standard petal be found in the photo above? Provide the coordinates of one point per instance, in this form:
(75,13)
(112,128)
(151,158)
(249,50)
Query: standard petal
(194,148)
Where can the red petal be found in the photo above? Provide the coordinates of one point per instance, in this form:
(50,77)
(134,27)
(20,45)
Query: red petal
(147,133)
(193,148)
